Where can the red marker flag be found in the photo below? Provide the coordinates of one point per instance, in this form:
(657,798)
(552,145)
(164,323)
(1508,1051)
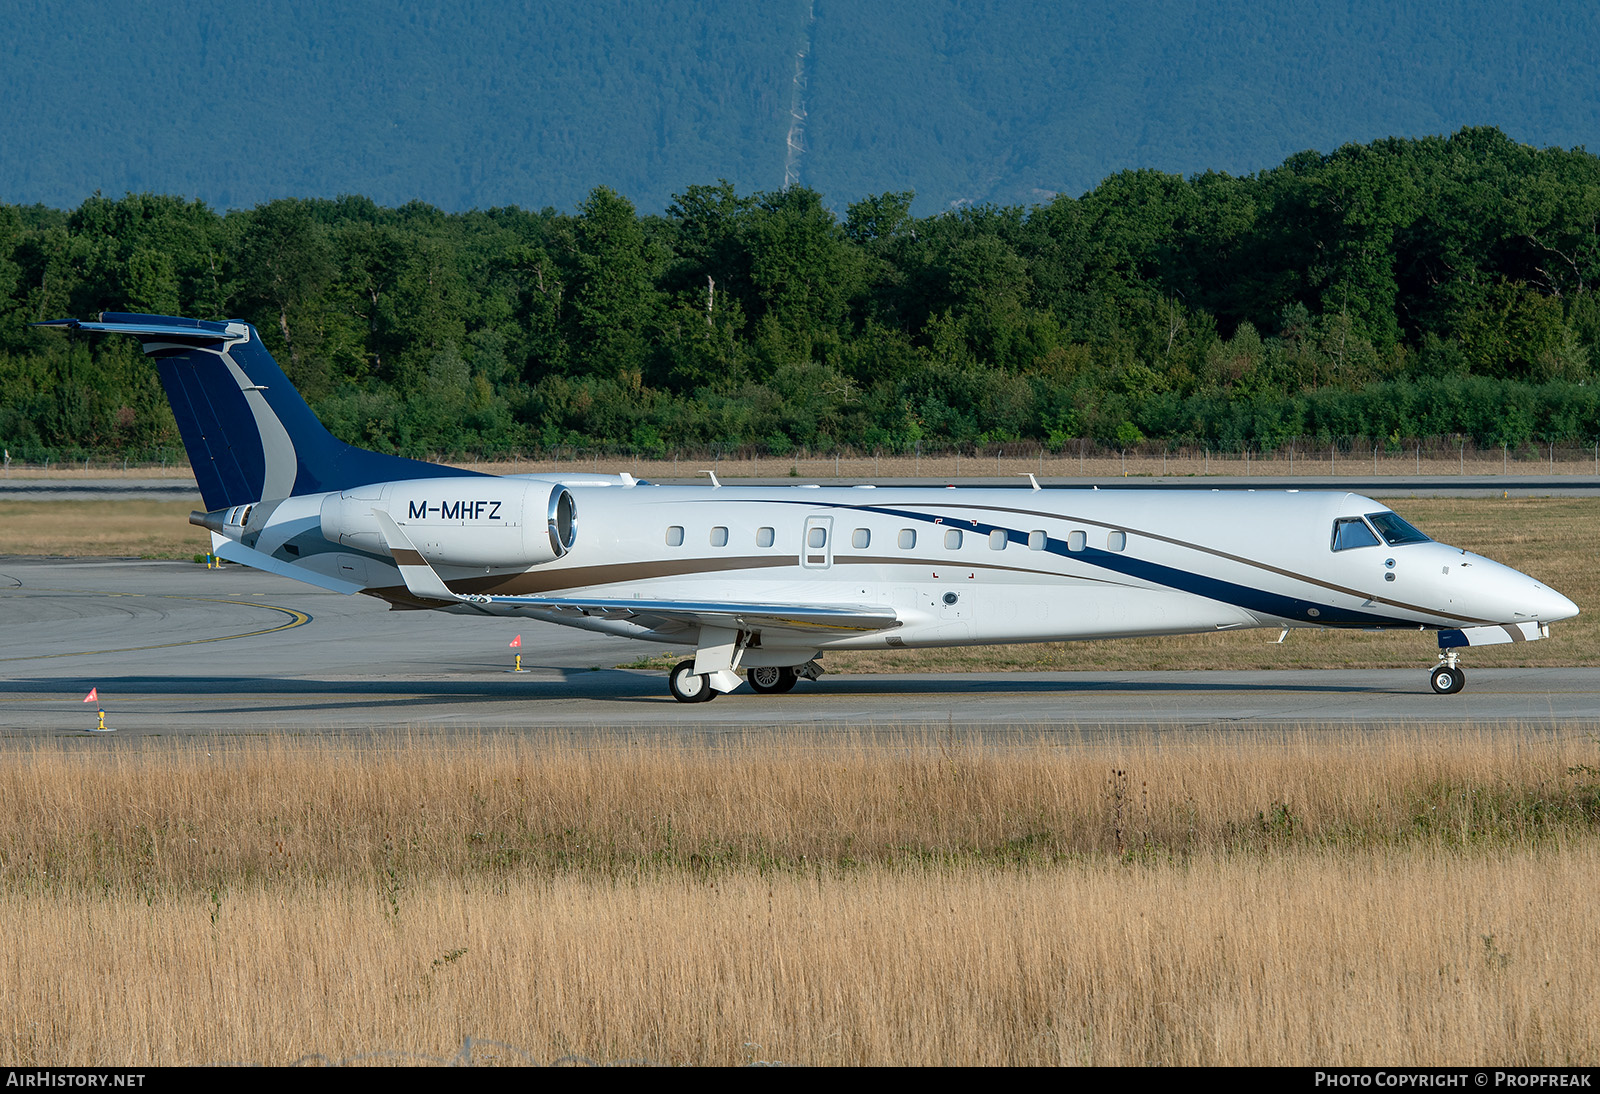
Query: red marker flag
(93,696)
(516,643)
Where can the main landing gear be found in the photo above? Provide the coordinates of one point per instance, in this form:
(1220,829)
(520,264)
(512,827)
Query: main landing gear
(688,687)
(771,679)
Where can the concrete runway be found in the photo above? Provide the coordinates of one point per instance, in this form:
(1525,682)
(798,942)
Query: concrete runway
(178,649)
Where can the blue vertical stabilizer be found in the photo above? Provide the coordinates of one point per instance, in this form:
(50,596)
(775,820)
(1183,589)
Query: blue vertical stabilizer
(249,435)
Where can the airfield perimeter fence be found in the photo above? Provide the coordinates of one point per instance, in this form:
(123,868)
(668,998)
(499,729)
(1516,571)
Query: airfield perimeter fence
(1302,457)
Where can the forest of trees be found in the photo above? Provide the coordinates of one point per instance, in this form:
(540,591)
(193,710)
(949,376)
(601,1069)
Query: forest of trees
(1388,291)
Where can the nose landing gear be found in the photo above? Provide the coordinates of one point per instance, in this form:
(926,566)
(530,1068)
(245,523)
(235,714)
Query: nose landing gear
(1449,677)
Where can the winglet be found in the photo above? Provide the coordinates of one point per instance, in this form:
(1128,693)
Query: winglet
(420,577)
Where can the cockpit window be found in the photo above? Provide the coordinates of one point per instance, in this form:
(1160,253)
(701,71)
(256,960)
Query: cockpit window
(1395,531)
(1351,532)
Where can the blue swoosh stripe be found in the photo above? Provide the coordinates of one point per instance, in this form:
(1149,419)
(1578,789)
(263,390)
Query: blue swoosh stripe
(1226,592)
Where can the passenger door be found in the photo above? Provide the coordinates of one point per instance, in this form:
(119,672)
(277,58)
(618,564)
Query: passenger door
(816,544)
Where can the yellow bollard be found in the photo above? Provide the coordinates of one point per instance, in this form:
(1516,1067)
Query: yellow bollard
(102,726)
(519,662)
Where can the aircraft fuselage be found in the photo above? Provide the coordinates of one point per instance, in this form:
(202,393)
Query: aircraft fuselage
(763,579)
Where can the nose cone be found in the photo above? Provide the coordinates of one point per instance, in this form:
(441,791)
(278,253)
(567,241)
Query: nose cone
(1522,598)
(1545,604)
(1486,591)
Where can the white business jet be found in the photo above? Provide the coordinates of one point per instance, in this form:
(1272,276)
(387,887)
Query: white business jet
(767,579)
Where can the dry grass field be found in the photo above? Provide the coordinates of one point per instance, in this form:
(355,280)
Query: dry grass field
(1357,896)
(1405,896)
(143,529)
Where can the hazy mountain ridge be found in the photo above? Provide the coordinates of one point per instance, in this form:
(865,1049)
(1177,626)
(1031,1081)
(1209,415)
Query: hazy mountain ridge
(469,105)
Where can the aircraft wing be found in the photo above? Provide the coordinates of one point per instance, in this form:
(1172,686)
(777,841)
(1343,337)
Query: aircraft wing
(424,581)
(737,616)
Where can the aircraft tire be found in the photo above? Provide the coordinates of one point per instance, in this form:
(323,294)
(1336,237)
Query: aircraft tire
(1447,680)
(686,687)
(771,679)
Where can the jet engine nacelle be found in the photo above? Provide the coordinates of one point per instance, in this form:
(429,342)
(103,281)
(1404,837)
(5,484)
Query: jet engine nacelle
(459,521)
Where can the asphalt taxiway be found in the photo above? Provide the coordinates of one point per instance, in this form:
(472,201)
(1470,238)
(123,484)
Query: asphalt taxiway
(176,649)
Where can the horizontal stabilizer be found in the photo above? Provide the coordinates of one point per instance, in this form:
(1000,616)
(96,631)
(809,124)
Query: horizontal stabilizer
(151,327)
(234,551)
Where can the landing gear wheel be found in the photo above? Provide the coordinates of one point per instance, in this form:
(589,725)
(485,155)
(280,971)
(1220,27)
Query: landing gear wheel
(771,679)
(686,687)
(1448,680)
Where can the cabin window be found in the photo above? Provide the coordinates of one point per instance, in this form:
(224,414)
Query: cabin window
(860,539)
(719,537)
(765,537)
(1395,532)
(908,538)
(1076,541)
(997,539)
(1351,532)
(817,536)
(1117,541)
(952,539)
(675,536)
(1037,540)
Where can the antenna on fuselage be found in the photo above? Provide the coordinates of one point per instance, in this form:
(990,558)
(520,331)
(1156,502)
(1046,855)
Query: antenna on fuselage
(715,484)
